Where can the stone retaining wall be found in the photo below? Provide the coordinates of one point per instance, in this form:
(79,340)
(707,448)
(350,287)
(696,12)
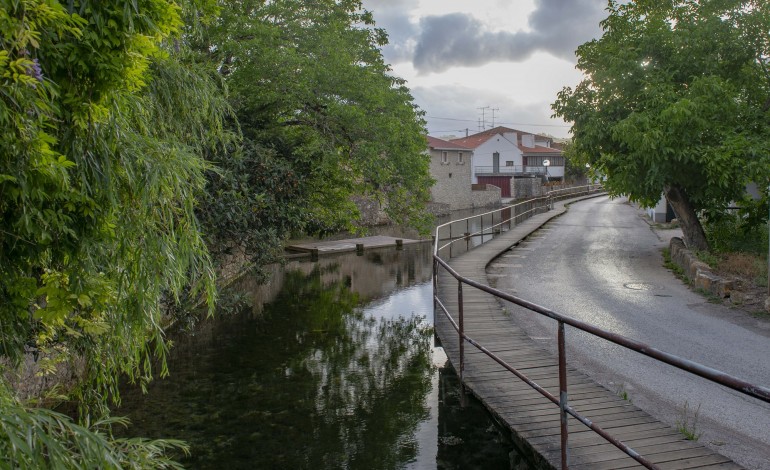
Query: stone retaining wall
(698,272)
(487,197)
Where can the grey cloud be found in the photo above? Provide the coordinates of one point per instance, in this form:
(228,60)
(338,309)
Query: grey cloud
(393,17)
(562,25)
(438,43)
(460,40)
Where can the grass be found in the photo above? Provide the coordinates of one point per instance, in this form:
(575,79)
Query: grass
(621,391)
(669,264)
(746,265)
(709,258)
(688,425)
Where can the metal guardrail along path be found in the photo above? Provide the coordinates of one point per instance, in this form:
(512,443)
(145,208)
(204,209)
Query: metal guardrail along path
(558,416)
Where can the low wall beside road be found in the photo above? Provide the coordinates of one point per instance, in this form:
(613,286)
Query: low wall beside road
(699,273)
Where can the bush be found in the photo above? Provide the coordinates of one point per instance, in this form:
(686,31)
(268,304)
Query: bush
(731,233)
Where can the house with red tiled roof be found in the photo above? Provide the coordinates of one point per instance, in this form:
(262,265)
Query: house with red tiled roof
(502,154)
(450,167)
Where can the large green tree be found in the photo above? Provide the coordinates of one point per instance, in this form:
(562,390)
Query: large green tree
(675,100)
(322,118)
(101,159)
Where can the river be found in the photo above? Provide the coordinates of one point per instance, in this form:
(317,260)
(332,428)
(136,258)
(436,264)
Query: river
(331,364)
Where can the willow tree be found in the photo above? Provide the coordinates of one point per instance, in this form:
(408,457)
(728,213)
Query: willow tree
(100,165)
(675,100)
(322,117)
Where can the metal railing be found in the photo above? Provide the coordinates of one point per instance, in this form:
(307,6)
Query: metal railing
(509,170)
(514,215)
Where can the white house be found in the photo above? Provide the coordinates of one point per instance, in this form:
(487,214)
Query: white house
(502,154)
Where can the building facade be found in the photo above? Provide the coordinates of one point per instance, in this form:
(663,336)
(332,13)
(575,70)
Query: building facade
(501,155)
(451,166)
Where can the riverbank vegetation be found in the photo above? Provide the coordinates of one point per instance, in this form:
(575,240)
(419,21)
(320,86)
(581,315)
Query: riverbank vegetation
(675,100)
(144,143)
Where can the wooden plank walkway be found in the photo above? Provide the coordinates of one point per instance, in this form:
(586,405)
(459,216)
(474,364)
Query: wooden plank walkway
(533,420)
(349,244)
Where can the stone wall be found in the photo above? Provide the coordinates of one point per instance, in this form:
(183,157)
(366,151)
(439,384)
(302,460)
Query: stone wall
(439,209)
(698,272)
(453,179)
(485,195)
(524,188)
(372,212)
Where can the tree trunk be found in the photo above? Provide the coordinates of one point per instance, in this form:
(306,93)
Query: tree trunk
(692,230)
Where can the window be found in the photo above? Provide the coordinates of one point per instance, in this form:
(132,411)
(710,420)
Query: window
(508,163)
(538,161)
(460,160)
(444,158)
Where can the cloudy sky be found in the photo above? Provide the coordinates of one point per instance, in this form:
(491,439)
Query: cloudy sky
(511,56)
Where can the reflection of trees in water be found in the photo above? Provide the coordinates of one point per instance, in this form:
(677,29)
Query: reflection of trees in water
(468,438)
(310,384)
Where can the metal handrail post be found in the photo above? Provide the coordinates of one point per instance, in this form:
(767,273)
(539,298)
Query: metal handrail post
(435,286)
(482,228)
(461,332)
(563,398)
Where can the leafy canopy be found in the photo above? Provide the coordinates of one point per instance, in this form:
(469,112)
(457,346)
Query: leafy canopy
(322,117)
(675,98)
(99,168)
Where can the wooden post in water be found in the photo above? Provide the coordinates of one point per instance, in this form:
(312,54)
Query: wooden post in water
(399,244)
(359,249)
(314,254)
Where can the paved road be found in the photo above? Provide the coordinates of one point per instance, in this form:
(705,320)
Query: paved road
(602,263)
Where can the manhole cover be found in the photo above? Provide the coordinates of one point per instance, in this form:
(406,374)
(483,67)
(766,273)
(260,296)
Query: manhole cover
(639,286)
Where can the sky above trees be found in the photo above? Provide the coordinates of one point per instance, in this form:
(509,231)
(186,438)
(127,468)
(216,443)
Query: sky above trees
(458,56)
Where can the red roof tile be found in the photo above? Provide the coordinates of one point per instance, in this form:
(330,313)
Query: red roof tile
(440,144)
(479,138)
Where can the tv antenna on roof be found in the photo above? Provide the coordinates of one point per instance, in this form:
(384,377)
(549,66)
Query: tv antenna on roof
(483,120)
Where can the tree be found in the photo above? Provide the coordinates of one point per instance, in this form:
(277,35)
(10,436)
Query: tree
(675,99)
(322,120)
(101,159)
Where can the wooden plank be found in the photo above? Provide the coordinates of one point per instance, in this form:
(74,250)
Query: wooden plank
(529,414)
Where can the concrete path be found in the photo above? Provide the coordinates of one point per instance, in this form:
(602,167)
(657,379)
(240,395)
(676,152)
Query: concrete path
(533,420)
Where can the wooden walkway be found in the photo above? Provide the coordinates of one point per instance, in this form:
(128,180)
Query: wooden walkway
(533,420)
(350,244)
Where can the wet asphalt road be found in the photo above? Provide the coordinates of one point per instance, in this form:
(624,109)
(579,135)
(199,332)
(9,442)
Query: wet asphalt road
(601,262)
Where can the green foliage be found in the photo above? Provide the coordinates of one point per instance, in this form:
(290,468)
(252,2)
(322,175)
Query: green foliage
(575,169)
(101,160)
(687,425)
(731,232)
(34,438)
(322,118)
(668,263)
(122,161)
(676,95)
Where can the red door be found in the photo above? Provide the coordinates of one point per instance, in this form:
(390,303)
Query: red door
(503,182)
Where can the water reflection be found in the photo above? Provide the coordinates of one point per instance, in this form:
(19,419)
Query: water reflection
(336,370)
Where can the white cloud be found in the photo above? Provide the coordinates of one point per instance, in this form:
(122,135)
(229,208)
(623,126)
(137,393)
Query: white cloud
(513,55)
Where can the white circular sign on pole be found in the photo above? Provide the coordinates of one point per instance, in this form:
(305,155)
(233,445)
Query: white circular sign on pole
(546,162)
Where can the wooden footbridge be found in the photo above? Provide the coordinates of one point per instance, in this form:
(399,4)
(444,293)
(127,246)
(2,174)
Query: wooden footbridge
(559,417)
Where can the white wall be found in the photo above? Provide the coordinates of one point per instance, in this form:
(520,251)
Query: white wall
(504,144)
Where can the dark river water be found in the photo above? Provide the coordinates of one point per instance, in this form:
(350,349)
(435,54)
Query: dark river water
(332,364)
